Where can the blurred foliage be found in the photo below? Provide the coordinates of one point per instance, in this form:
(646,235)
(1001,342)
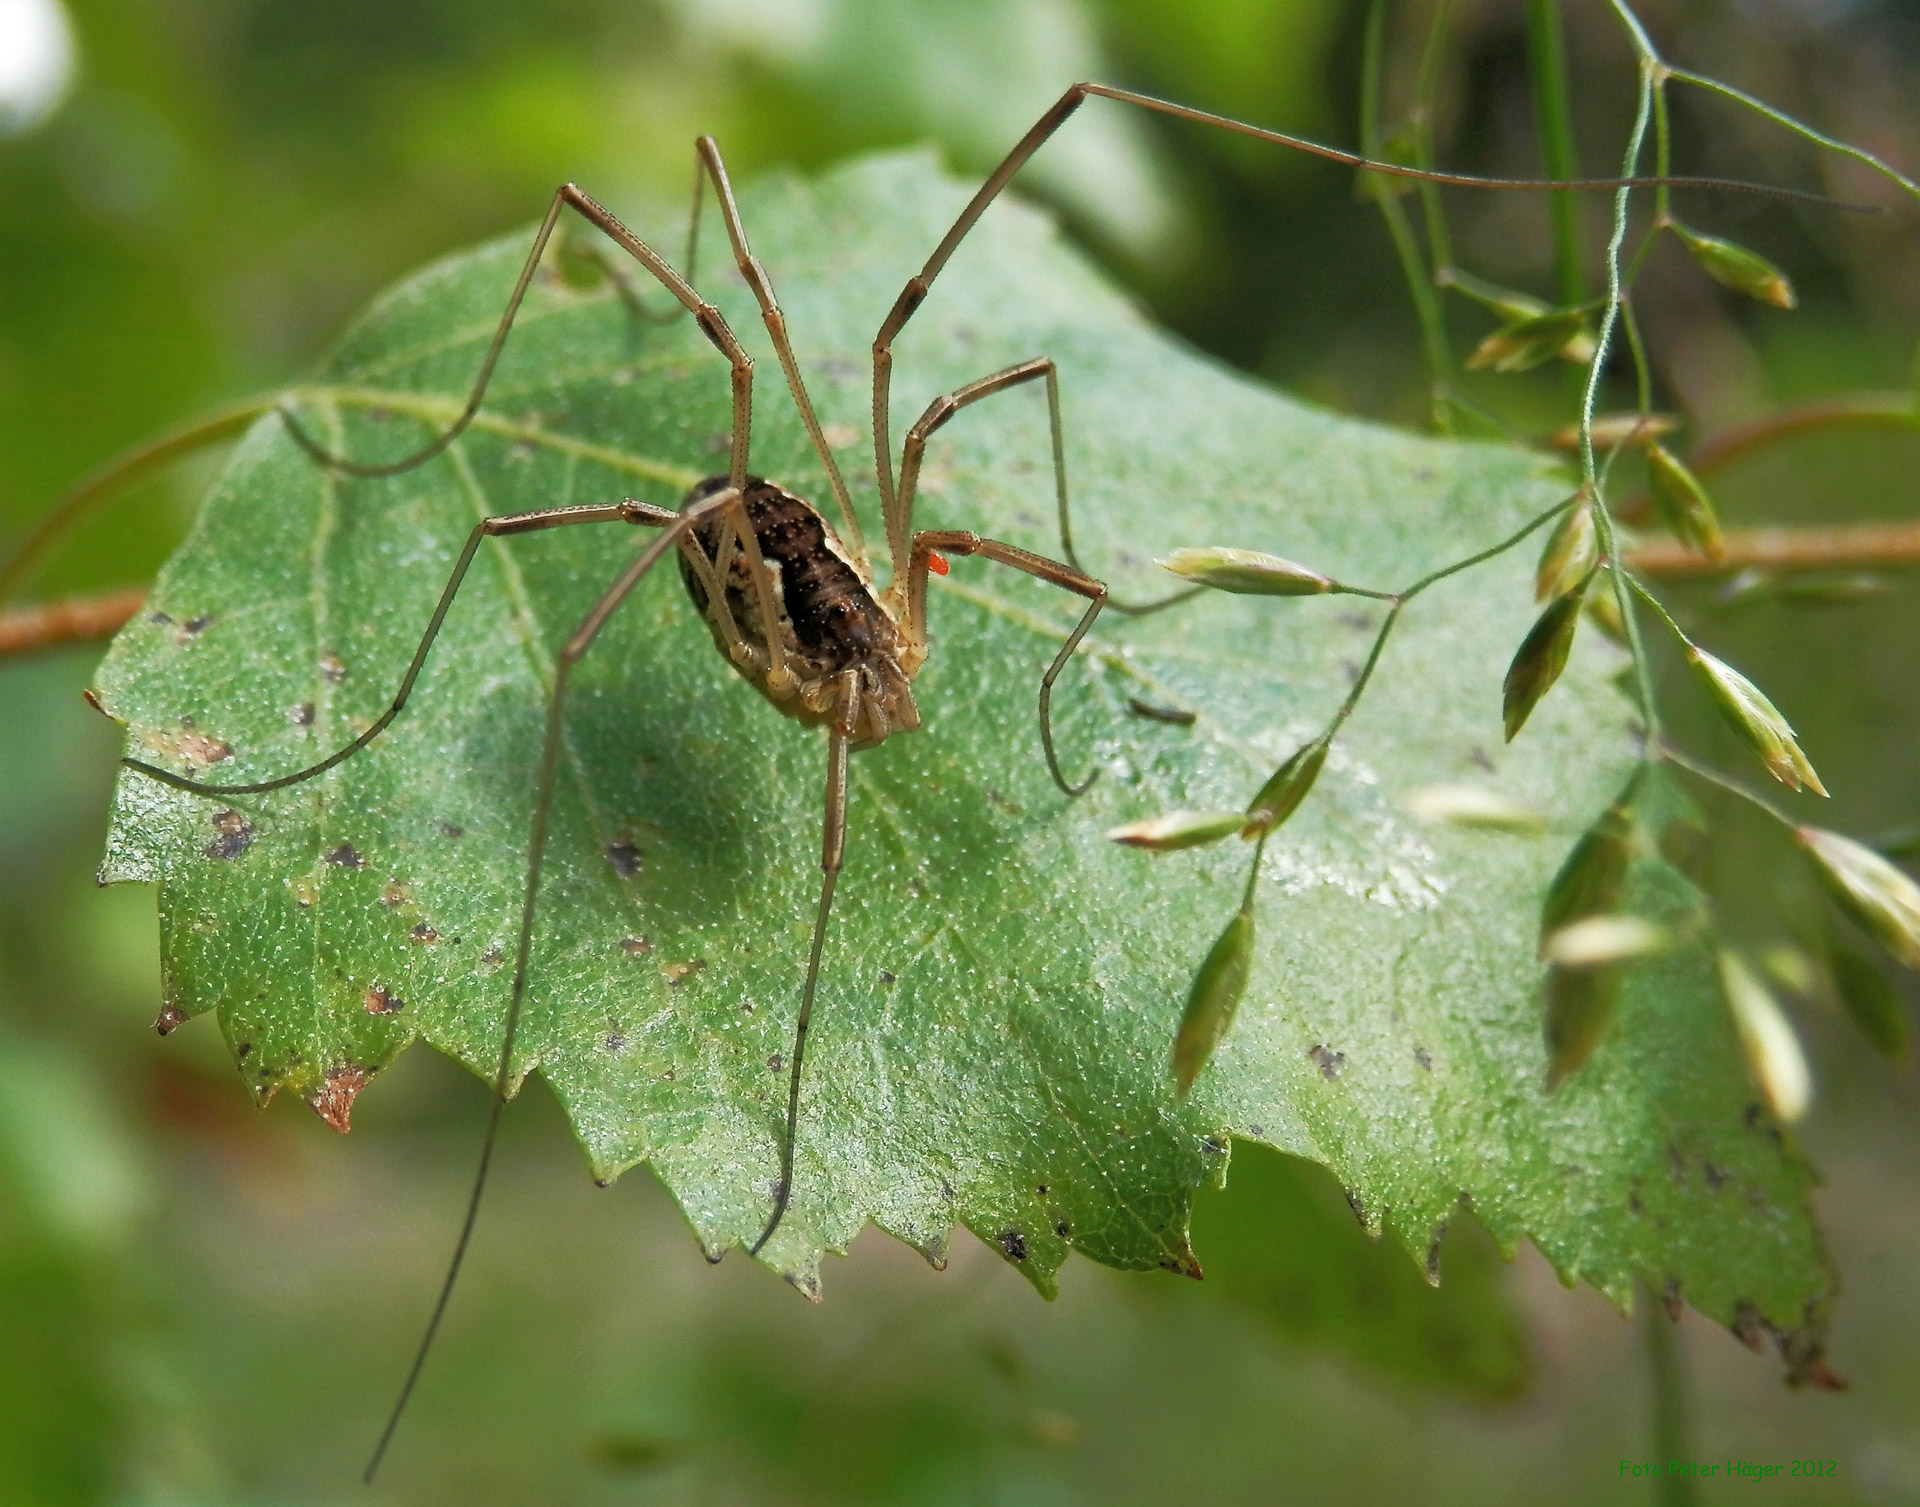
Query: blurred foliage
(229,178)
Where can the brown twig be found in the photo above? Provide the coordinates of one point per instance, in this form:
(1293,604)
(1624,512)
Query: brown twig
(1847,546)
(221,424)
(1892,410)
(77,620)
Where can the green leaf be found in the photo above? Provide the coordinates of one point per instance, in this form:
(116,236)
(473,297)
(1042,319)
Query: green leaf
(1001,984)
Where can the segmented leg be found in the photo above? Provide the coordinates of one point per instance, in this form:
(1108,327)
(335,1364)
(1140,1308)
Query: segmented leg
(943,408)
(833,846)
(628,511)
(899,519)
(674,528)
(712,324)
(959,542)
(776,322)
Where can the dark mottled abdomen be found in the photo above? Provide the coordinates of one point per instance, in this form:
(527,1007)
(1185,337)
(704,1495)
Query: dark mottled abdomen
(834,619)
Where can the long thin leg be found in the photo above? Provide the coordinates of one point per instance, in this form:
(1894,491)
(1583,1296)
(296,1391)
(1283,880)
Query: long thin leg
(960,542)
(833,846)
(899,523)
(944,408)
(628,511)
(630,295)
(570,655)
(709,318)
(776,322)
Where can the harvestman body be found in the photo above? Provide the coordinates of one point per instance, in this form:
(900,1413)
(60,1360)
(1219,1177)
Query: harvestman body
(789,601)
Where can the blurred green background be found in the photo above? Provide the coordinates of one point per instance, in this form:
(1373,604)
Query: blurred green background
(204,1304)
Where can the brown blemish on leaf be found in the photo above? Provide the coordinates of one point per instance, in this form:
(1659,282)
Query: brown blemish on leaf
(625,858)
(1423,1059)
(1433,1256)
(423,935)
(1715,1176)
(301,715)
(334,1103)
(160,619)
(1013,1243)
(170,1019)
(1063,1230)
(775,1062)
(379,1002)
(492,957)
(193,627)
(1747,1329)
(331,668)
(635,947)
(394,894)
(1328,1061)
(449,829)
(244,1050)
(614,1041)
(193,748)
(232,835)
(346,857)
(679,973)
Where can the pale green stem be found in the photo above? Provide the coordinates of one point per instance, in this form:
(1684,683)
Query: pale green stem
(1604,531)
(1406,245)
(1669,1406)
(1787,122)
(1553,111)
(1426,87)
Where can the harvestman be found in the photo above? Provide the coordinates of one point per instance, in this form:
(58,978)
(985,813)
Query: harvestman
(789,602)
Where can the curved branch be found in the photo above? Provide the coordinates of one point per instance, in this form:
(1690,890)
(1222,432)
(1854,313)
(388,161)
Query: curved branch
(57,625)
(221,424)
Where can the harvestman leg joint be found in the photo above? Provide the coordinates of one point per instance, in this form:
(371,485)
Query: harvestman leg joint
(789,601)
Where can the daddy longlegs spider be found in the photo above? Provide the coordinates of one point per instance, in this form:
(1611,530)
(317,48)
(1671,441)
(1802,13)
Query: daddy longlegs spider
(790,602)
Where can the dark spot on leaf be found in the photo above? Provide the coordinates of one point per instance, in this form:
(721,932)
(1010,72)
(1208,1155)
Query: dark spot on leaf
(394,894)
(1423,1058)
(301,715)
(1000,803)
(346,858)
(1328,1061)
(946,1191)
(1746,1328)
(635,947)
(1041,1190)
(193,627)
(379,1002)
(1634,1205)
(1170,714)
(625,858)
(1715,1176)
(233,835)
(1063,1230)
(1212,1146)
(775,1062)
(244,1050)
(1359,1211)
(331,668)
(1433,1257)
(1014,1244)
(334,1103)
(170,1019)
(679,973)
(448,829)
(1676,1163)
(887,980)
(492,957)
(1359,622)
(163,619)
(1257,1132)
(614,1041)
(1672,1299)
(424,935)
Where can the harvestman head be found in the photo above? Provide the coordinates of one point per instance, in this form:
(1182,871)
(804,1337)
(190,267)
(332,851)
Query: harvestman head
(790,601)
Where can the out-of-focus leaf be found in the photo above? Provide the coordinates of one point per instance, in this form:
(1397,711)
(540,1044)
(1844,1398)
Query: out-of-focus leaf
(1280,1241)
